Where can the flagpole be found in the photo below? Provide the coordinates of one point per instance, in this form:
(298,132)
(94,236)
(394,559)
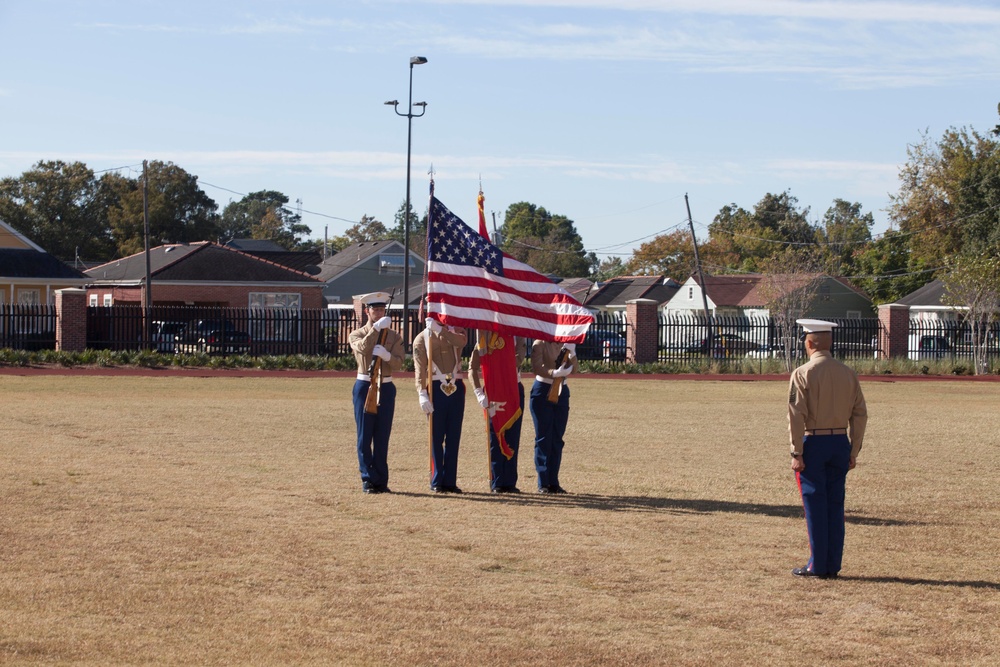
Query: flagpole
(430,417)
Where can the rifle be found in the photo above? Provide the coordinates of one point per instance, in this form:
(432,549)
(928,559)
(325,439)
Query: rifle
(557,382)
(374,396)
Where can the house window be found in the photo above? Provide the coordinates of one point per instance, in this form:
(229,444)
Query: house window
(108,301)
(392,263)
(29,297)
(854,314)
(93,299)
(690,294)
(824,292)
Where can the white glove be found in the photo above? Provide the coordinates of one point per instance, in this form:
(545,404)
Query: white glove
(562,371)
(433,325)
(570,347)
(382,323)
(425,402)
(481,397)
(382,353)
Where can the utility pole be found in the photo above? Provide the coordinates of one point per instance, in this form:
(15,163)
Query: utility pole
(148,292)
(701,278)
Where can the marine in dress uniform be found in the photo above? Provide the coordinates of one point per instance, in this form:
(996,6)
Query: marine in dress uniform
(503,471)
(550,418)
(826,424)
(446,404)
(374,429)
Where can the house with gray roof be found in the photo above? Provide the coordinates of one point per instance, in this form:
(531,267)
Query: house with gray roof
(28,274)
(370,266)
(613,295)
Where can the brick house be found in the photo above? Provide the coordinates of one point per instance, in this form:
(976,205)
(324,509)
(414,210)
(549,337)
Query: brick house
(203,274)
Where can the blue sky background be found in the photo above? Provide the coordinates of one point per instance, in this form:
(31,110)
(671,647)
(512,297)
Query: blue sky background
(605,111)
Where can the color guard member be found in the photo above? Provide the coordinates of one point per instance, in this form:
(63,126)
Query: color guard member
(826,423)
(375,340)
(503,470)
(550,418)
(446,406)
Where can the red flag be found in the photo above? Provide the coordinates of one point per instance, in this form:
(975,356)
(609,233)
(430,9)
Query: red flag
(498,362)
(471,283)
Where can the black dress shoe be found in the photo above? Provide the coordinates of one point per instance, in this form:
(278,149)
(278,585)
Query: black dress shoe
(545,489)
(558,489)
(381,489)
(451,489)
(512,489)
(438,489)
(367,487)
(806,572)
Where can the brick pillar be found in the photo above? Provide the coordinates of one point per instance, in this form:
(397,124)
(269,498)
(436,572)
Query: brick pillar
(71,319)
(641,336)
(893,336)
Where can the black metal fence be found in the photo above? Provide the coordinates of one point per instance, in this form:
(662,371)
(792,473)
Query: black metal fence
(935,339)
(27,327)
(684,337)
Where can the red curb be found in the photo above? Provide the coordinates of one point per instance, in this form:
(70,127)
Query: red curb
(172,371)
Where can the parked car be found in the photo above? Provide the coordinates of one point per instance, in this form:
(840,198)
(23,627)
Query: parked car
(597,340)
(213,337)
(165,335)
(932,347)
(724,345)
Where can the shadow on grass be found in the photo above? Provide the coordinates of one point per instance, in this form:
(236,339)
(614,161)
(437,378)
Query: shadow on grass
(909,581)
(653,504)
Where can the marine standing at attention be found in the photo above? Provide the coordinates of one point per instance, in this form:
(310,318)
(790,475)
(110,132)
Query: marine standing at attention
(552,363)
(503,455)
(826,424)
(445,406)
(375,341)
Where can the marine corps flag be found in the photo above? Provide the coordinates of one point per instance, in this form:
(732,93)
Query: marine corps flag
(498,361)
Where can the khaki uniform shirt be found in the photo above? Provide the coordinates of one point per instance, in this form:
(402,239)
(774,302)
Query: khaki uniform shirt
(543,358)
(520,349)
(364,340)
(824,393)
(446,348)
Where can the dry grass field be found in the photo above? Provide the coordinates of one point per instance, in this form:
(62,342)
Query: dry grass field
(220,521)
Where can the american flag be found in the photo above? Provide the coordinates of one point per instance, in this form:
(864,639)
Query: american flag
(471,283)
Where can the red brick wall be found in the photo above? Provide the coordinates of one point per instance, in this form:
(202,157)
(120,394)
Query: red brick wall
(895,330)
(233,296)
(71,319)
(641,335)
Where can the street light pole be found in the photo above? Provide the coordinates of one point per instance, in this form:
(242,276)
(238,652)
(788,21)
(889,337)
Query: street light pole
(415,60)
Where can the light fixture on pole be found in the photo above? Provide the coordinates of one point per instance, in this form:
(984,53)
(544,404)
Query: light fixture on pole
(409,115)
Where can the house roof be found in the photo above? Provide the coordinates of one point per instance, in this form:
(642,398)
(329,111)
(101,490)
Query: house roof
(352,255)
(254,246)
(618,291)
(200,262)
(306,262)
(578,288)
(931,294)
(30,263)
(744,291)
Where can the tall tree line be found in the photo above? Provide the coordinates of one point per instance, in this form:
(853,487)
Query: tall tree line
(73,213)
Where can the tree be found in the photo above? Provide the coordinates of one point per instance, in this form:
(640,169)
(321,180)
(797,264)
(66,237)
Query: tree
(789,287)
(743,240)
(263,215)
(179,211)
(59,206)
(973,284)
(949,195)
(609,268)
(844,231)
(548,243)
(368,229)
(667,255)
(418,229)
(887,270)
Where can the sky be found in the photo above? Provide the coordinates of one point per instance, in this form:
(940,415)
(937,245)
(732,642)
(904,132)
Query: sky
(607,112)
